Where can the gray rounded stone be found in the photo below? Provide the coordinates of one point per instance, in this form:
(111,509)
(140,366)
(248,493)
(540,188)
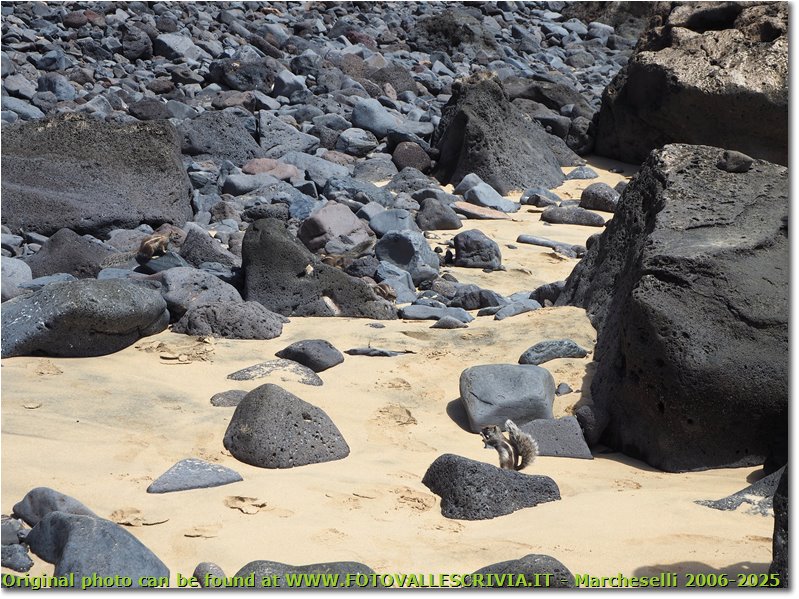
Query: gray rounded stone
(493,393)
(87,546)
(356,142)
(436,215)
(316,354)
(573,215)
(395,219)
(184,287)
(409,251)
(535,568)
(40,501)
(14,272)
(261,569)
(449,322)
(599,196)
(474,249)
(15,557)
(231,320)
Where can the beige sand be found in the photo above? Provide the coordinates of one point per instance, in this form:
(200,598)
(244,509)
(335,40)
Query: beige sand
(101,429)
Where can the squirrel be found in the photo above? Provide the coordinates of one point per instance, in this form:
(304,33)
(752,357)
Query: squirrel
(515,453)
(154,245)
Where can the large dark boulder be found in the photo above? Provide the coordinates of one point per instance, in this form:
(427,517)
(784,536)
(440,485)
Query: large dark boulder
(536,569)
(81,318)
(91,176)
(481,132)
(703,73)
(688,290)
(288,279)
(339,571)
(779,563)
(272,428)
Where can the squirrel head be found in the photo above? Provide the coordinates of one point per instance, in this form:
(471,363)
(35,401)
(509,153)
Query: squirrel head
(490,435)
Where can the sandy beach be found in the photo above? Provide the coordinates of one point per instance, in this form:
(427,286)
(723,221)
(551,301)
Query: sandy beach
(102,429)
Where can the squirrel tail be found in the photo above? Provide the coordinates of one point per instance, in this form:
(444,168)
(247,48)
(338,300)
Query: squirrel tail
(526,446)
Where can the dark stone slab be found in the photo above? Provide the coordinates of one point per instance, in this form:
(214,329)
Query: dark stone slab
(81,318)
(228,399)
(91,176)
(759,495)
(472,490)
(298,372)
(560,437)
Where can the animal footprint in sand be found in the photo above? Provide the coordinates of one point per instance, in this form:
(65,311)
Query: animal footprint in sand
(625,484)
(203,531)
(394,415)
(131,516)
(253,505)
(246,505)
(46,368)
(196,349)
(330,534)
(415,500)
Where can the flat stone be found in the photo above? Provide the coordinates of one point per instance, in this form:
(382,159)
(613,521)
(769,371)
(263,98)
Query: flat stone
(759,495)
(193,473)
(573,215)
(552,350)
(261,569)
(228,399)
(562,437)
(286,370)
(472,211)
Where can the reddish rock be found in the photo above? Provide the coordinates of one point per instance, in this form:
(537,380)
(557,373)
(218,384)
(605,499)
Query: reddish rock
(408,153)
